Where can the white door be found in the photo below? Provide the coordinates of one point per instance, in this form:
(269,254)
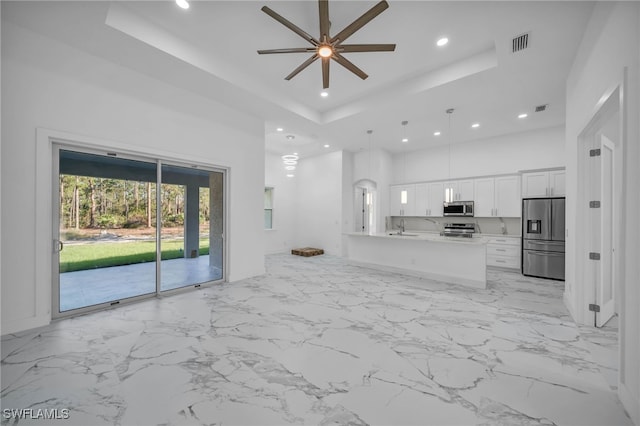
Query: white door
(605,285)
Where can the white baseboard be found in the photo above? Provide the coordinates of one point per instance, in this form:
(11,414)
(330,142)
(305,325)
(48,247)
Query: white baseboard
(11,327)
(630,402)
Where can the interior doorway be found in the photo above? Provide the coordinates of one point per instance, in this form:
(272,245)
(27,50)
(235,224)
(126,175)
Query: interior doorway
(600,168)
(364,206)
(128,227)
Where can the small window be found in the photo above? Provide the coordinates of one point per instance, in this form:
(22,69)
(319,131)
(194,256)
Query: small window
(268,208)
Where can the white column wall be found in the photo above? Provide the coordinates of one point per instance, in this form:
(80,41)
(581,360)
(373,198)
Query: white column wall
(611,45)
(46,84)
(318,198)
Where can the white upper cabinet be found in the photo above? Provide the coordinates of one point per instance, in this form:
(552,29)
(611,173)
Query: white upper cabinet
(557,183)
(497,197)
(428,200)
(465,190)
(460,190)
(435,199)
(508,202)
(402,200)
(483,199)
(422,199)
(543,184)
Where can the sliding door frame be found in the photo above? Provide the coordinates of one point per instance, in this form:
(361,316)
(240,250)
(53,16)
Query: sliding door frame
(55,141)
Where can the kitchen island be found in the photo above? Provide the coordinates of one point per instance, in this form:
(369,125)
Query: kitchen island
(449,259)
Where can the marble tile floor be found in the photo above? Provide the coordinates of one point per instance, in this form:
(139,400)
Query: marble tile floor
(317,341)
(80,289)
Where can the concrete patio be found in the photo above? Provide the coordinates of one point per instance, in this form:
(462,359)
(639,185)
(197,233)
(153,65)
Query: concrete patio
(94,286)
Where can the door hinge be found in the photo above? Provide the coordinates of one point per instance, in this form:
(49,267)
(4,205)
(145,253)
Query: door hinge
(594,308)
(594,204)
(594,152)
(594,256)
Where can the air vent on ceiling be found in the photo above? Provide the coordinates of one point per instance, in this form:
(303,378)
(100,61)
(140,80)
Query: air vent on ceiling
(541,108)
(520,42)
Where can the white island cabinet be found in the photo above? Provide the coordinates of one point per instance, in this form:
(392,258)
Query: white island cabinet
(452,260)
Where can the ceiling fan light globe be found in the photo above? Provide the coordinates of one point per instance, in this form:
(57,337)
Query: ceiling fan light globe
(325,51)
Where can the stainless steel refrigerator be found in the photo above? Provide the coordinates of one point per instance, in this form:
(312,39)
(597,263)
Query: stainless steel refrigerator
(543,237)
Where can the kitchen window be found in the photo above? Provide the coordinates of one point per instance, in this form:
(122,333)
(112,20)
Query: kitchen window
(268,208)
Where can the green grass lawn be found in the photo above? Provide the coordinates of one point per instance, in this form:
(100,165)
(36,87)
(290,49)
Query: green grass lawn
(79,257)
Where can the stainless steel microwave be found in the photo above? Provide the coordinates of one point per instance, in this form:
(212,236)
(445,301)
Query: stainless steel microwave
(458,208)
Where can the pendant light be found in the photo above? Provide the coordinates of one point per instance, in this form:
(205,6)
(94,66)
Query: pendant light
(448,192)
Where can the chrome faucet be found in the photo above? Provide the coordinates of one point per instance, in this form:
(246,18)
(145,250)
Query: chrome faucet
(401,226)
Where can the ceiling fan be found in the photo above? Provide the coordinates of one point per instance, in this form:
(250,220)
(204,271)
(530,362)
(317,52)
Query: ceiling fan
(326,47)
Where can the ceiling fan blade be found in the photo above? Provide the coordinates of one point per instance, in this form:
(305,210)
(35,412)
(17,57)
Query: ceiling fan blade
(323,6)
(349,65)
(360,22)
(302,66)
(290,25)
(291,50)
(325,73)
(366,48)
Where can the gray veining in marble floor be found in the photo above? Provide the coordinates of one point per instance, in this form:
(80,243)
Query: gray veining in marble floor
(316,341)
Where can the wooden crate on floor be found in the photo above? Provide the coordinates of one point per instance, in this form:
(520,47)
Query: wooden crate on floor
(307,251)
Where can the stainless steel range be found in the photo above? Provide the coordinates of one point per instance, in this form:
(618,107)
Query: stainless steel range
(465,230)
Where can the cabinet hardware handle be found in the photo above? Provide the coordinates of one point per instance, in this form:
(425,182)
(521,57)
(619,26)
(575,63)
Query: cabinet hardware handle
(500,250)
(500,261)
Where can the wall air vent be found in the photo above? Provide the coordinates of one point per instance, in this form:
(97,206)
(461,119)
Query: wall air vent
(541,108)
(520,42)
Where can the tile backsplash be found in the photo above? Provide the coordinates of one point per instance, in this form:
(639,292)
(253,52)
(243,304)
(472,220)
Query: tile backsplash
(485,225)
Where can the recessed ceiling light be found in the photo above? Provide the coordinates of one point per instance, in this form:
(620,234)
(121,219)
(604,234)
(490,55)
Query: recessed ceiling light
(326,145)
(290,167)
(279,129)
(324,94)
(290,175)
(436,133)
(522,116)
(183,4)
(475,125)
(441,42)
(290,157)
(295,153)
(405,140)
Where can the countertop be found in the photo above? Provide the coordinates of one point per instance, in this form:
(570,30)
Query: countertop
(422,236)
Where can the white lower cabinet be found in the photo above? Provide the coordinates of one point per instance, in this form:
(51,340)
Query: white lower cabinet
(504,252)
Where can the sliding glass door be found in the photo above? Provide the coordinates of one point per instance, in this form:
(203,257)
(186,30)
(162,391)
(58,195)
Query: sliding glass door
(129,228)
(191,237)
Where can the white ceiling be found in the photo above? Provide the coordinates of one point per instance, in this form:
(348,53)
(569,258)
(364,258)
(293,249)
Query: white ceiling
(211,49)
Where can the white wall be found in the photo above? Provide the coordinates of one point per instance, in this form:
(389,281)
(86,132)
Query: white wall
(500,155)
(319,203)
(610,44)
(46,84)
(282,237)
